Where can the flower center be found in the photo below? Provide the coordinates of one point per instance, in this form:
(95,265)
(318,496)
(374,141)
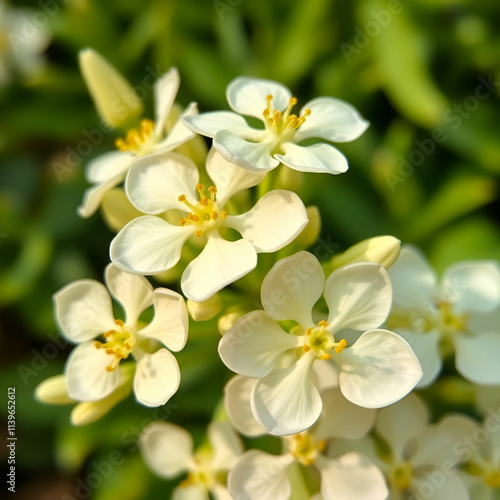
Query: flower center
(205,214)
(305,447)
(403,476)
(138,141)
(119,343)
(448,321)
(319,340)
(283,125)
(492,479)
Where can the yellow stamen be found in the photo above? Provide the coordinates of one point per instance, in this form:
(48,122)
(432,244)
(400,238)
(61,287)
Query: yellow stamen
(138,141)
(326,356)
(198,233)
(340,347)
(223,214)
(306,348)
(323,323)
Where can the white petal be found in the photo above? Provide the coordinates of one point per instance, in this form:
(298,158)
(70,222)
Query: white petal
(237,403)
(320,158)
(253,156)
(227,446)
(413,280)
(179,134)
(260,476)
(228,177)
(167,449)
(108,165)
(155,182)
(86,376)
(341,418)
(83,310)
(359,296)
(220,263)
(351,477)
(93,196)
(157,378)
(248,96)
(426,346)
(472,286)
(276,220)
(292,287)
(401,422)
(148,245)
(477,357)
(254,344)
(193,491)
(378,370)
(287,401)
(134,293)
(208,124)
(331,119)
(326,375)
(165,90)
(445,487)
(437,443)
(220,492)
(170,322)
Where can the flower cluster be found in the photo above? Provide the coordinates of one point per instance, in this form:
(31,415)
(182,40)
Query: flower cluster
(327,357)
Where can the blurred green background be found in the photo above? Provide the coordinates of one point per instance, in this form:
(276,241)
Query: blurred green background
(423,73)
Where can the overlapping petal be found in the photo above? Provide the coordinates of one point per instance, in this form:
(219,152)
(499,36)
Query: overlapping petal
(208,124)
(165,90)
(226,445)
(108,165)
(94,195)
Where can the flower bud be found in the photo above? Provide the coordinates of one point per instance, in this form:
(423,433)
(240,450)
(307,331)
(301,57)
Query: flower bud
(382,249)
(53,391)
(310,233)
(227,321)
(114,98)
(203,311)
(116,209)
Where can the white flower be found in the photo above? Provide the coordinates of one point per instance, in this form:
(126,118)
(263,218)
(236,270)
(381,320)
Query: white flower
(110,169)
(260,476)
(419,460)
(83,311)
(379,369)
(461,313)
(168,182)
(168,451)
(263,149)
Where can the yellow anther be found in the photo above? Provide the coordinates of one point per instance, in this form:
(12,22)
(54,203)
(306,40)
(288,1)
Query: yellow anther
(183,221)
(204,202)
(214,215)
(212,189)
(182,197)
(307,112)
(309,331)
(97,344)
(109,351)
(119,322)
(322,445)
(306,348)
(326,356)
(198,233)
(341,346)
(223,214)
(200,187)
(293,101)
(323,323)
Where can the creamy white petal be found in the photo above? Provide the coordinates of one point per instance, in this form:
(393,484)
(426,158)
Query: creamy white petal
(254,344)
(167,449)
(319,158)
(359,296)
(179,133)
(253,156)
(220,263)
(286,401)
(86,376)
(275,220)
(220,492)
(402,421)
(193,491)
(134,293)
(351,477)
(170,322)
(83,310)
(331,119)
(426,346)
(93,196)
(227,446)
(443,487)
(228,177)
(260,476)
(237,403)
(341,418)
(108,165)
(148,245)
(472,286)
(248,96)
(292,287)
(477,357)
(165,90)
(413,280)
(325,375)
(155,182)
(208,124)
(157,378)
(378,370)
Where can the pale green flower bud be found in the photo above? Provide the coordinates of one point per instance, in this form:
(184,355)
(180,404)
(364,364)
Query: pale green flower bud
(53,391)
(208,309)
(310,233)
